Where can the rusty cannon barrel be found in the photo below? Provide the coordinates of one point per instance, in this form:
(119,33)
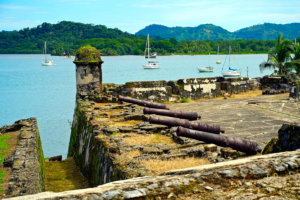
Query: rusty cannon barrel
(246,146)
(187,124)
(143,103)
(173,113)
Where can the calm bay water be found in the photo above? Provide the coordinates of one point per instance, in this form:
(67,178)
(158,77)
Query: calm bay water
(48,93)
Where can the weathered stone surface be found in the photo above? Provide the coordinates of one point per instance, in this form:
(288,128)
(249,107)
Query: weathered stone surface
(260,182)
(153,127)
(288,139)
(152,150)
(193,88)
(27,163)
(210,147)
(135,117)
(275,85)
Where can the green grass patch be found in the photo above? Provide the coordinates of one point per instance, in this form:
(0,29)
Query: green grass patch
(115,133)
(3,144)
(184,100)
(3,147)
(63,176)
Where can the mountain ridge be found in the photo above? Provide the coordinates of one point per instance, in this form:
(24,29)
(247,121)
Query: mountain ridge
(266,31)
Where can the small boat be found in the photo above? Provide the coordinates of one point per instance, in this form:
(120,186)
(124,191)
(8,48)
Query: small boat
(147,49)
(47,62)
(218,61)
(231,72)
(152,55)
(206,69)
(150,64)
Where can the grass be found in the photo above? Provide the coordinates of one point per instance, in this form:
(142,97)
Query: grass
(124,123)
(63,176)
(3,147)
(8,143)
(185,100)
(133,153)
(249,94)
(159,166)
(138,139)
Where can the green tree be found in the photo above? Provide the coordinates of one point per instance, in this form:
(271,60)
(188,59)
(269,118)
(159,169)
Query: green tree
(280,57)
(296,59)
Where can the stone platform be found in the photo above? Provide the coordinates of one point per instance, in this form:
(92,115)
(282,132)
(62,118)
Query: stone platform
(256,118)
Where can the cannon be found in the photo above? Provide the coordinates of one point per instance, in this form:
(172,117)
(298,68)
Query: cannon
(143,103)
(245,146)
(173,113)
(187,124)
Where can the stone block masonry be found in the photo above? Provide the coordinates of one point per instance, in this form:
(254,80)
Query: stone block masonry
(242,179)
(193,88)
(27,163)
(91,154)
(88,72)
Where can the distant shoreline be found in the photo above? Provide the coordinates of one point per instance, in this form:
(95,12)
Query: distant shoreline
(168,54)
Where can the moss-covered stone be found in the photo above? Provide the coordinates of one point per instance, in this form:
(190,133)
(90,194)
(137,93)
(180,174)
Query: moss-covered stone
(87,54)
(40,158)
(90,153)
(269,147)
(288,139)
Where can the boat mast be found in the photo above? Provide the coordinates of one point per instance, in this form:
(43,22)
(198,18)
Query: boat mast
(45,51)
(229,55)
(148,46)
(218,49)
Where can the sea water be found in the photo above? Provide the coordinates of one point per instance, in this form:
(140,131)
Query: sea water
(28,89)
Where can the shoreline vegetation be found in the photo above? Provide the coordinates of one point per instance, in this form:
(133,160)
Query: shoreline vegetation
(64,38)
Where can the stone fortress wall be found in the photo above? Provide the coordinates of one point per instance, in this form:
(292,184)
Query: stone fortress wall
(223,176)
(27,162)
(174,91)
(101,125)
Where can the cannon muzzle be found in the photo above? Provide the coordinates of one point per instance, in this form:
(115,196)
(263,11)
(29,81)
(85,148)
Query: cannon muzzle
(245,146)
(187,124)
(142,103)
(173,113)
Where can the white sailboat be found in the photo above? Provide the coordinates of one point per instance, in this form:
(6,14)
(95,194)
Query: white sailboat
(150,64)
(218,61)
(47,62)
(208,68)
(231,72)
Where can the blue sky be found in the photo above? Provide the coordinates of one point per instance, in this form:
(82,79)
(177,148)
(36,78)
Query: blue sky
(133,15)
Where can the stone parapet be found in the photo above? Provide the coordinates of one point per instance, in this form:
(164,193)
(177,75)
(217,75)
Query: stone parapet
(193,88)
(186,182)
(27,163)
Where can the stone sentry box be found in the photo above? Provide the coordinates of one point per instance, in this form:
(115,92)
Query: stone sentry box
(88,72)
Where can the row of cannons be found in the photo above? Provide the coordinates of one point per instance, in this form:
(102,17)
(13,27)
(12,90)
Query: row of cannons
(188,127)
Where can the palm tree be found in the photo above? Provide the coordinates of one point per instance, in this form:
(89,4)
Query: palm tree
(279,57)
(296,59)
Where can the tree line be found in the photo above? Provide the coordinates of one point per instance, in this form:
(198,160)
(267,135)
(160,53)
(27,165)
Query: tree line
(66,37)
(284,58)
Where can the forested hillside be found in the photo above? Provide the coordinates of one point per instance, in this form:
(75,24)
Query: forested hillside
(66,37)
(60,37)
(265,31)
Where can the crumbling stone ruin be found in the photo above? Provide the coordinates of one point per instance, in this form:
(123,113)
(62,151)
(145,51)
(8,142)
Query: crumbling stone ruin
(124,156)
(27,161)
